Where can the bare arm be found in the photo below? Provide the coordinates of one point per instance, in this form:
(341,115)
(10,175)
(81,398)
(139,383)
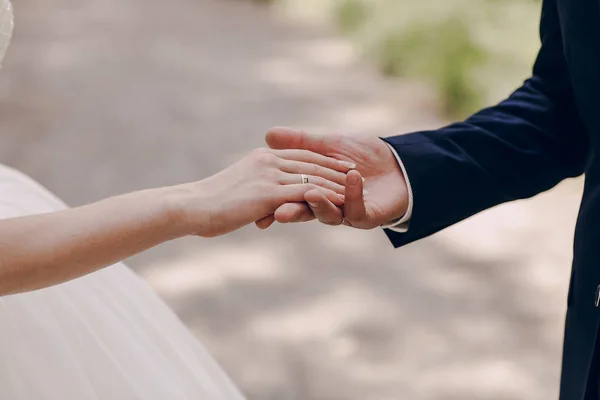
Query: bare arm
(46,249)
(43,250)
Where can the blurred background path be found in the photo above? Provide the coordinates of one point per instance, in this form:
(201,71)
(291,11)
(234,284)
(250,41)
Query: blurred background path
(102,97)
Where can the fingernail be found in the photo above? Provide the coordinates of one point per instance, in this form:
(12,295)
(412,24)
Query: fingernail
(365,192)
(313,205)
(348,164)
(353,180)
(364,180)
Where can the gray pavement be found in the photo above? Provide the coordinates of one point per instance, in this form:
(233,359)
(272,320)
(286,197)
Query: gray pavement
(102,97)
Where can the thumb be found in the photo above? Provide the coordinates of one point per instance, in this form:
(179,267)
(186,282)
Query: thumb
(282,138)
(354,208)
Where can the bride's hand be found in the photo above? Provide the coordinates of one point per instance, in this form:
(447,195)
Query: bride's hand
(256,186)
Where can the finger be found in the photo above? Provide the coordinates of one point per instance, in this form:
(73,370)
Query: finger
(324,210)
(354,208)
(288,138)
(291,179)
(294,212)
(311,157)
(265,222)
(299,167)
(295,193)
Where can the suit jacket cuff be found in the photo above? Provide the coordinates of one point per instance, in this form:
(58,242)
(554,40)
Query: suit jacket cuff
(401,225)
(421,161)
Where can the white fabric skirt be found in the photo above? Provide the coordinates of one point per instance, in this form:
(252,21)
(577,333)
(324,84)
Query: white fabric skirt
(104,336)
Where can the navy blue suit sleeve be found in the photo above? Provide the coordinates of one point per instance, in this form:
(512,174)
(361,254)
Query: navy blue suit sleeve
(523,146)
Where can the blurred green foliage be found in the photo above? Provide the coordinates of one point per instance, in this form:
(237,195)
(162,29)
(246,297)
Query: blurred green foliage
(473,51)
(444,53)
(352,15)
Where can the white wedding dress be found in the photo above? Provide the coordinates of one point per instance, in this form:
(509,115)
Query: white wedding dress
(104,336)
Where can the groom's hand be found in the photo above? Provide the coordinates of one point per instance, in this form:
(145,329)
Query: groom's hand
(381,198)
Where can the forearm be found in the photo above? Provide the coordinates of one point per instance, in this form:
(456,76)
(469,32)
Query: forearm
(43,250)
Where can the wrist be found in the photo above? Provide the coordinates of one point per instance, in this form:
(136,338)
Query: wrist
(400,205)
(184,210)
(401,200)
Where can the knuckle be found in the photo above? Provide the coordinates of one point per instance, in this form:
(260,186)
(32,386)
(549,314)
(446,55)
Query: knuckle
(260,151)
(266,159)
(277,176)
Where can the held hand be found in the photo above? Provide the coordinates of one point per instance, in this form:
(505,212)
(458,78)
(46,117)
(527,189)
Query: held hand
(385,195)
(256,186)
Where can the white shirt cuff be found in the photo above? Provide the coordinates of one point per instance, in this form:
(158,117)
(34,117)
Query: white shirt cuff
(401,225)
